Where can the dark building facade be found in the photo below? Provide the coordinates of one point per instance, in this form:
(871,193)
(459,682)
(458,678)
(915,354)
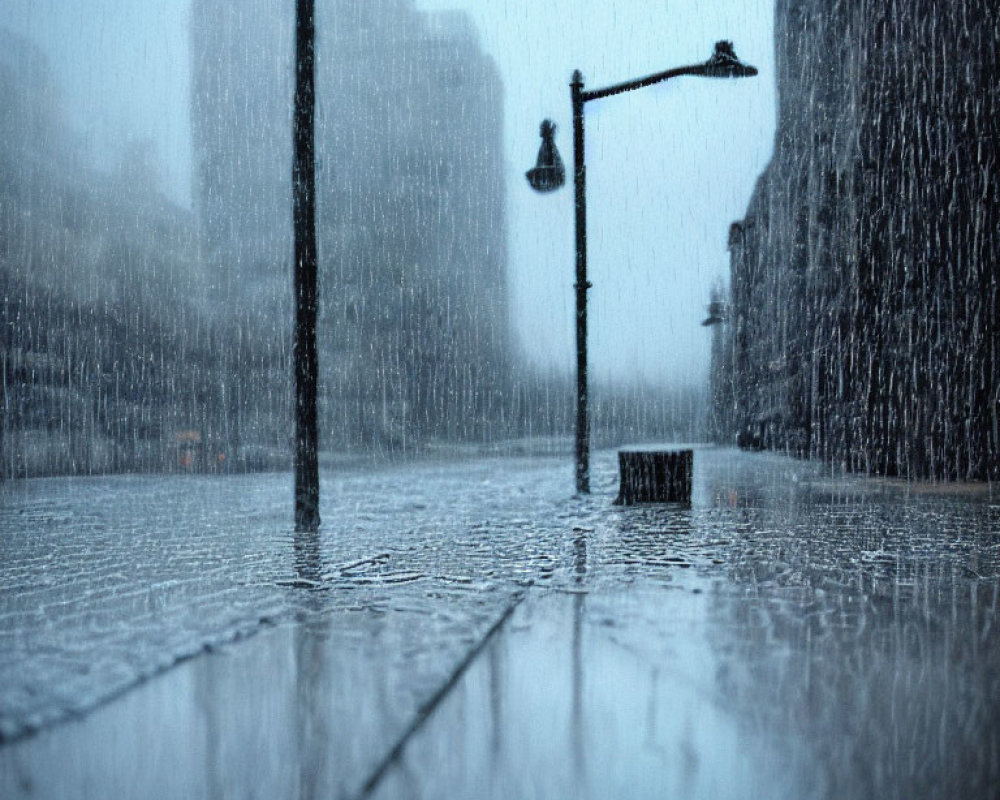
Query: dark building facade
(863,326)
(413,330)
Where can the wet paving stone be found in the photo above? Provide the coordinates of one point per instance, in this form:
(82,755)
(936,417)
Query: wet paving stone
(842,629)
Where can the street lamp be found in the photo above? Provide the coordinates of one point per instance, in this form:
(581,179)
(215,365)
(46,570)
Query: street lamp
(548,175)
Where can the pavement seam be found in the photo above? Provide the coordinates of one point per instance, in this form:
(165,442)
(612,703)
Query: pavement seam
(428,708)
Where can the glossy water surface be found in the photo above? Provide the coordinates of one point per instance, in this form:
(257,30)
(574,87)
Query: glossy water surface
(471,629)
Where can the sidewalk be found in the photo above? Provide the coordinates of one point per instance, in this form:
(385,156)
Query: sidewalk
(480,633)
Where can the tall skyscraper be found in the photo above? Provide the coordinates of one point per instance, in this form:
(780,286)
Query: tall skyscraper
(411,208)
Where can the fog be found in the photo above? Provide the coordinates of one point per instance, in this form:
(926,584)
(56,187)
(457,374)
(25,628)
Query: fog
(122,70)
(669,167)
(811,613)
(148,211)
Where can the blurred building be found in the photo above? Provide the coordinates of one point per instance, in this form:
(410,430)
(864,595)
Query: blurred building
(410,214)
(104,347)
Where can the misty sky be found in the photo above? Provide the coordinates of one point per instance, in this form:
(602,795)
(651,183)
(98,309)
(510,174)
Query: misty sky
(123,69)
(669,167)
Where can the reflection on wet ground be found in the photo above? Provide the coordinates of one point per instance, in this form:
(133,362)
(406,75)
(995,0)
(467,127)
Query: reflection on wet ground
(108,581)
(828,639)
(594,696)
(480,633)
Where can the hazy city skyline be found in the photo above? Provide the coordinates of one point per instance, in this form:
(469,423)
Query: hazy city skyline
(668,168)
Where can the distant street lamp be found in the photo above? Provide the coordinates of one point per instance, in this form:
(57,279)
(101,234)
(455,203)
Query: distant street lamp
(548,174)
(718,312)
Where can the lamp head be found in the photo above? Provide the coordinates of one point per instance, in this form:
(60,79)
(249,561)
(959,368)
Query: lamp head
(725,64)
(548,173)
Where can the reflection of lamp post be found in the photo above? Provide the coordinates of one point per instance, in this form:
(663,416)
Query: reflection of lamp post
(547,175)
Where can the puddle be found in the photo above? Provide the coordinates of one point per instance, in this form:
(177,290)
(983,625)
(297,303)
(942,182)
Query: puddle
(593,696)
(299,710)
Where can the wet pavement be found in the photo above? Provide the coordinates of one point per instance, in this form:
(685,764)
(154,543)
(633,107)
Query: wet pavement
(471,629)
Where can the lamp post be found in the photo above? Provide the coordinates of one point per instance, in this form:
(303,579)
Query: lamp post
(548,174)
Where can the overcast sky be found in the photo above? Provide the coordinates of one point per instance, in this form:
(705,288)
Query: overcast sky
(669,167)
(123,68)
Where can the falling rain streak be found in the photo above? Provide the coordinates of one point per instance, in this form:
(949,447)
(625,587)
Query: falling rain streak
(151,329)
(814,615)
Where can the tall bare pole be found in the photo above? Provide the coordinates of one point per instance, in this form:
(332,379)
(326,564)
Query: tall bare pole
(306,292)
